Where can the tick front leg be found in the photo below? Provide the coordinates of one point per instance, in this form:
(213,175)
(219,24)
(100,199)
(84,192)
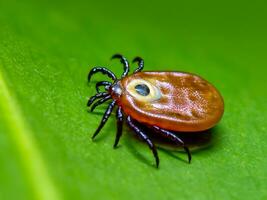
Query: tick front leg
(97,96)
(105,118)
(99,102)
(125,63)
(119,116)
(140,62)
(144,137)
(174,138)
(106,84)
(102,70)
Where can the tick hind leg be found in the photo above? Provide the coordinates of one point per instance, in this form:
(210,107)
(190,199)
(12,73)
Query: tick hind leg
(174,138)
(144,137)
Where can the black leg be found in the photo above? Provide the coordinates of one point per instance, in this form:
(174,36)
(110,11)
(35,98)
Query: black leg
(119,126)
(174,138)
(99,102)
(97,96)
(124,62)
(140,62)
(144,137)
(102,83)
(105,118)
(104,71)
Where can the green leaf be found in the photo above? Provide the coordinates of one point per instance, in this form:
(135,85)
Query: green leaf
(46,51)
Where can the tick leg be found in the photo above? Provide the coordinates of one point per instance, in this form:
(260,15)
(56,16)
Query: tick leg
(105,118)
(99,102)
(104,71)
(97,96)
(119,116)
(144,137)
(174,138)
(124,62)
(140,62)
(102,83)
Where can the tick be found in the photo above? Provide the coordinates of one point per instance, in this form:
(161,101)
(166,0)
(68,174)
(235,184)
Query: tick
(165,103)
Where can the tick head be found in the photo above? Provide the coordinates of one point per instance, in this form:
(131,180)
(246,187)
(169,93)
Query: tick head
(116,90)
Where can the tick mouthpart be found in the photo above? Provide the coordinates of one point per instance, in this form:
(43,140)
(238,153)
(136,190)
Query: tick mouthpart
(115,90)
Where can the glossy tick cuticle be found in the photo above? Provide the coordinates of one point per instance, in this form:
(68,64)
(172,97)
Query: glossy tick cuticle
(142,89)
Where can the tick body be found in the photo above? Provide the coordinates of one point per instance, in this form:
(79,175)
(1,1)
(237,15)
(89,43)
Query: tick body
(164,102)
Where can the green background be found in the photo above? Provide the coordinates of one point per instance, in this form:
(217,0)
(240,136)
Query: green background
(46,51)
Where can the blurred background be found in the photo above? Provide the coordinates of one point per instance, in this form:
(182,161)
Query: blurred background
(46,51)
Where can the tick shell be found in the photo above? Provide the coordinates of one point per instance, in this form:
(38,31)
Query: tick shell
(186,102)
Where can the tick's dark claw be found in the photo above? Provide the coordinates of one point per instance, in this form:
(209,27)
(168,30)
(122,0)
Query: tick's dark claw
(115,145)
(95,134)
(188,154)
(157,161)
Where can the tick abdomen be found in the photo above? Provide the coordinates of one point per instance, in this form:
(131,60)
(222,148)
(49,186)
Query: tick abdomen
(187,102)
